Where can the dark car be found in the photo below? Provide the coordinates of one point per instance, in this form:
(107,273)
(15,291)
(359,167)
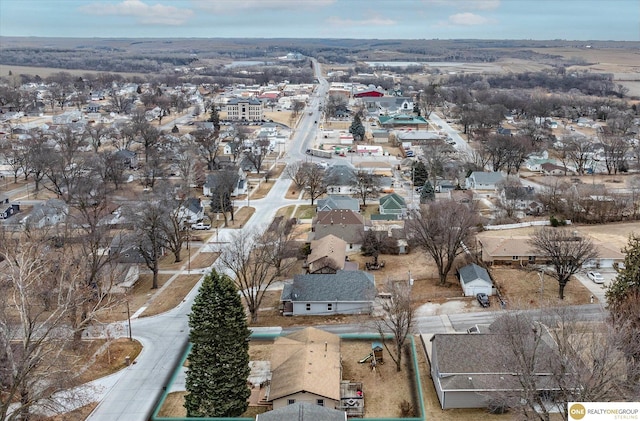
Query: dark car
(483,299)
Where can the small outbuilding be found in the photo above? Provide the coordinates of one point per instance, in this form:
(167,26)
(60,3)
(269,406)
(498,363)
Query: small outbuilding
(475,280)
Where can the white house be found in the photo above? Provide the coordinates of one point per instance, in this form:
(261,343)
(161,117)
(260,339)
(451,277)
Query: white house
(479,180)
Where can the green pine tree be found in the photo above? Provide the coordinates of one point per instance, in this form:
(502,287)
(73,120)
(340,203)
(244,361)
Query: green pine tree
(219,358)
(420,173)
(357,128)
(627,283)
(214,118)
(427,194)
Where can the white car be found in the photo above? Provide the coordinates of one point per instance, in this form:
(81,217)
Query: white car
(596,277)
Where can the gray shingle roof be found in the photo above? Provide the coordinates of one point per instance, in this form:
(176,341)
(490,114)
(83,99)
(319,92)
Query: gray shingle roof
(303,411)
(341,286)
(472,272)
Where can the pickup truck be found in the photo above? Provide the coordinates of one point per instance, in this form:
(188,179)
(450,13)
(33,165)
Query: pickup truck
(200,226)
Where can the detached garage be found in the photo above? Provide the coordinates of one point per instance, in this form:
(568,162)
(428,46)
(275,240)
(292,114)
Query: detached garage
(475,280)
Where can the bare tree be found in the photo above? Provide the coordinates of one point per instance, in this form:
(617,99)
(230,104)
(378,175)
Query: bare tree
(224,183)
(440,229)
(429,99)
(249,256)
(315,184)
(258,153)
(366,185)
(569,359)
(580,151)
(148,219)
(397,318)
(375,243)
(208,142)
(97,135)
(38,157)
(34,357)
(564,250)
(293,171)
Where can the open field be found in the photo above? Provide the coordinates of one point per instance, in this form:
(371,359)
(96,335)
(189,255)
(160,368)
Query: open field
(48,71)
(614,234)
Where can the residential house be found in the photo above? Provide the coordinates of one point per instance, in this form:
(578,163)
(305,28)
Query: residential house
(343,292)
(328,255)
(549,168)
(380,136)
(191,211)
(391,229)
(393,204)
(387,105)
(126,158)
(507,250)
(214,179)
(231,148)
(306,368)
(475,280)
(520,198)
(472,370)
(339,179)
(240,109)
(480,180)
(343,223)
(516,250)
(338,202)
(48,214)
(303,411)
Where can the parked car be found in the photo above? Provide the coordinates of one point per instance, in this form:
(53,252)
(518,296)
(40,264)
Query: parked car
(596,277)
(483,299)
(201,226)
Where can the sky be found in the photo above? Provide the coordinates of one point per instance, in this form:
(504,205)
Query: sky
(365,19)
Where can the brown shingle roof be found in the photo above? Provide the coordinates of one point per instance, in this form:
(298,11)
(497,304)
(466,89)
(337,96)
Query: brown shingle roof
(307,360)
(499,247)
(327,250)
(339,216)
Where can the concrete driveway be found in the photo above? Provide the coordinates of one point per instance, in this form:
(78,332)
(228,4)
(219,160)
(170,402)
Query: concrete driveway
(598,290)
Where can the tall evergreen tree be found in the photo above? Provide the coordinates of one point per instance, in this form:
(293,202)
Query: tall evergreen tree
(420,173)
(427,194)
(357,128)
(219,358)
(214,118)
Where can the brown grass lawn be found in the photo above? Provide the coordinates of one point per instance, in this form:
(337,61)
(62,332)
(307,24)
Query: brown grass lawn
(112,359)
(262,190)
(385,388)
(286,212)
(138,297)
(174,407)
(200,261)
(172,295)
(522,289)
(305,212)
(79,414)
(241,217)
(293,192)
(282,117)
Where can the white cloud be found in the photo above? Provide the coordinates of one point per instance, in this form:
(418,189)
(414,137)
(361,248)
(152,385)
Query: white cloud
(468,19)
(466,4)
(225,6)
(373,21)
(144,13)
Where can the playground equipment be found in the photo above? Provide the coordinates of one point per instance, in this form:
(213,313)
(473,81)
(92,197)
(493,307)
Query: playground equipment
(375,356)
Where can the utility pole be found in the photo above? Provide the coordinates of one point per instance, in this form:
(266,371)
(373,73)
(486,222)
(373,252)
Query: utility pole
(129,320)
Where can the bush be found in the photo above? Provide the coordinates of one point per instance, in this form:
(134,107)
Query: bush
(555,222)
